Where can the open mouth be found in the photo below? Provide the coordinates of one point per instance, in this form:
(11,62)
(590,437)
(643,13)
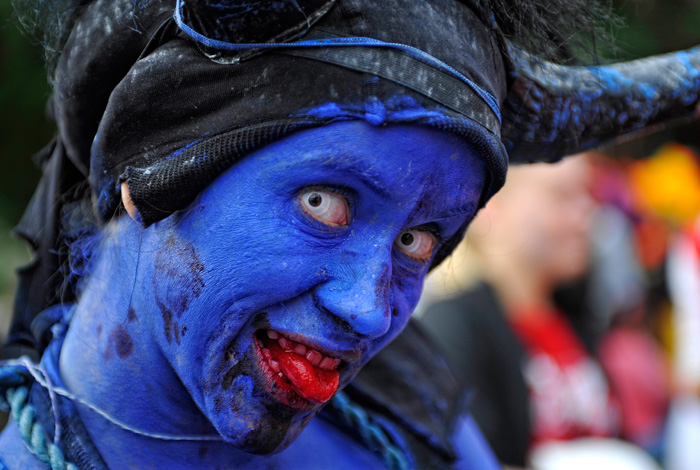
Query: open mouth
(296,369)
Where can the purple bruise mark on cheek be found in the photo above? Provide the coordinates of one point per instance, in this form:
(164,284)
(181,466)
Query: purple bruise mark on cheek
(177,279)
(120,342)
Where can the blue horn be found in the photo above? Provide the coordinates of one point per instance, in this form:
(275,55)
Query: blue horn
(553,110)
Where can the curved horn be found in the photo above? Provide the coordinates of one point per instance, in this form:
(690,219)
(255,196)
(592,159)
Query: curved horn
(553,110)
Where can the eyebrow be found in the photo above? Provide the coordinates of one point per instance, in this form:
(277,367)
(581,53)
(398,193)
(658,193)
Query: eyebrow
(468,208)
(374,182)
(358,170)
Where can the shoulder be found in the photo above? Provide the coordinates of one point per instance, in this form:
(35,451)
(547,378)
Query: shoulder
(409,390)
(477,305)
(14,454)
(323,445)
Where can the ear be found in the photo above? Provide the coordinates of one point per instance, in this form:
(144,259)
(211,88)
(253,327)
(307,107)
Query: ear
(128,203)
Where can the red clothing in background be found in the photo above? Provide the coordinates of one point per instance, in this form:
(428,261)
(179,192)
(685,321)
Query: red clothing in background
(569,394)
(637,370)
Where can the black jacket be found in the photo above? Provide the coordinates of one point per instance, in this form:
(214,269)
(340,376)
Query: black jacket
(486,356)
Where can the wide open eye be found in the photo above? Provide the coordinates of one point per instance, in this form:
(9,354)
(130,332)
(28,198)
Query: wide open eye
(416,243)
(330,208)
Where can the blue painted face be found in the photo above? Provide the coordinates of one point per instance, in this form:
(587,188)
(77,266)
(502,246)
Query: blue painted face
(297,265)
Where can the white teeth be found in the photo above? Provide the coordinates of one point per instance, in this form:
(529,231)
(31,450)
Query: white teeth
(283,342)
(314,357)
(326,363)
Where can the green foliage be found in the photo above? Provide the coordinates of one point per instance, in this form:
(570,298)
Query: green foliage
(24,129)
(657,26)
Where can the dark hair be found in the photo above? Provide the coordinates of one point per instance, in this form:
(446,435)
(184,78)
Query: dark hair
(80,239)
(48,22)
(559,30)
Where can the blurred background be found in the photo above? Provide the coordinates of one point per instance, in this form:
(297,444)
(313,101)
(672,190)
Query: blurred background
(634,299)
(572,308)
(24,130)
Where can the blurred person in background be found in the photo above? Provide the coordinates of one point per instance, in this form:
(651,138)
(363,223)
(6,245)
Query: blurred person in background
(625,301)
(628,300)
(666,190)
(683,271)
(535,382)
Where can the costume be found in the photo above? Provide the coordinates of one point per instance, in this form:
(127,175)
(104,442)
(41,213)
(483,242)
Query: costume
(473,326)
(167,98)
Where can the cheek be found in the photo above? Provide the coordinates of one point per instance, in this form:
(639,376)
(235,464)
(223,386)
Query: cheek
(177,281)
(404,298)
(407,293)
(258,258)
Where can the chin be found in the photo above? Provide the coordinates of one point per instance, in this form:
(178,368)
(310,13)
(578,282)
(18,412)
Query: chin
(570,273)
(256,398)
(242,410)
(263,436)
(250,425)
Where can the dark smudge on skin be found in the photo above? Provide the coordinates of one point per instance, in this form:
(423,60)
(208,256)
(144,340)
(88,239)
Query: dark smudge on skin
(218,403)
(119,341)
(232,373)
(177,279)
(382,290)
(167,319)
(176,332)
(122,341)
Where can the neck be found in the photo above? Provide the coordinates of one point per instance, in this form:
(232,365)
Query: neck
(520,286)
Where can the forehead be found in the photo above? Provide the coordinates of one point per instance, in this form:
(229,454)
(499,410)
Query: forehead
(401,162)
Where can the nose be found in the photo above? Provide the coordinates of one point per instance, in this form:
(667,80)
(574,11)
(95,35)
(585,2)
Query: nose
(359,295)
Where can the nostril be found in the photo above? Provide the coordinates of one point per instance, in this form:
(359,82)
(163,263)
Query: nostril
(395,312)
(344,325)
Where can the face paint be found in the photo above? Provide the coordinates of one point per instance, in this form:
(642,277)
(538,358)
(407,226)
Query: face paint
(294,267)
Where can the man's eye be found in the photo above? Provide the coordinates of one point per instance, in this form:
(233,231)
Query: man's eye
(330,208)
(416,243)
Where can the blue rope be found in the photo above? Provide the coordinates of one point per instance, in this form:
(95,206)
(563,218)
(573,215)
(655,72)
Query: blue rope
(371,432)
(335,42)
(15,400)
